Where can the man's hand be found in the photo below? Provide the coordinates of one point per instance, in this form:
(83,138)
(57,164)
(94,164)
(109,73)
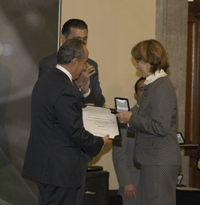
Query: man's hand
(89,104)
(124,116)
(106,140)
(83,82)
(130,191)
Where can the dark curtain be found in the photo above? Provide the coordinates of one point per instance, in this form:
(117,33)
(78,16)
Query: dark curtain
(28,32)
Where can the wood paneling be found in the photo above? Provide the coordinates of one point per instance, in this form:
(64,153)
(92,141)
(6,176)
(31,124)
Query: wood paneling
(192,121)
(192,88)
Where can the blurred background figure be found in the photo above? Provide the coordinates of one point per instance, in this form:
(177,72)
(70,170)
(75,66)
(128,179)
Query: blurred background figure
(88,82)
(128,173)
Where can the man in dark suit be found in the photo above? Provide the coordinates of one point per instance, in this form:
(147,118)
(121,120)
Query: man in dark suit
(87,84)
(75,28)
(57,138)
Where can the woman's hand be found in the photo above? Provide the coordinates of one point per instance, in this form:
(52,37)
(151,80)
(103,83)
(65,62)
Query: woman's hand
(124,116)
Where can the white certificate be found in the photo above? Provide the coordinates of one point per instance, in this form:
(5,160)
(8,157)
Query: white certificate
(100,122)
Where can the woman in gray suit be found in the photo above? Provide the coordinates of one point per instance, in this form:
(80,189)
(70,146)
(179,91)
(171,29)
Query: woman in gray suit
(155,123)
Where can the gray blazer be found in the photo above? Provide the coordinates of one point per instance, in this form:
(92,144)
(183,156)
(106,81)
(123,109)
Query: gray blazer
(155,124)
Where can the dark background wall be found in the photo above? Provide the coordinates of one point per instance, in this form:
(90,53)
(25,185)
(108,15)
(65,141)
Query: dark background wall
(28,32)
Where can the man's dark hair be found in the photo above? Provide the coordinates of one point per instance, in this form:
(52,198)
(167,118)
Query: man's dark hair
(75,23)
(136,84)
(72,48)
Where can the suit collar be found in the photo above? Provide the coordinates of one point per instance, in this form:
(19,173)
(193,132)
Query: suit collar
(64,71)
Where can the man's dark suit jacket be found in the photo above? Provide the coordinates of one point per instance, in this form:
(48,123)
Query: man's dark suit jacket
(48,63)
(57,135)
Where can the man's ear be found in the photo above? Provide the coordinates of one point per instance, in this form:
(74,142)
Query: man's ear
(74,61)
(63,38)
(135,96)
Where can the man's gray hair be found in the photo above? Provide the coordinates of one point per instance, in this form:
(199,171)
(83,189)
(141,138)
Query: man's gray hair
(72,48)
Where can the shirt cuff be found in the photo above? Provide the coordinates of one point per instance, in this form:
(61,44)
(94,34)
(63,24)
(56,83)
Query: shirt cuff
(86,94)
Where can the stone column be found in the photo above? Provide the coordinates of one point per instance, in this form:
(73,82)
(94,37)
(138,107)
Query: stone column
(171,30)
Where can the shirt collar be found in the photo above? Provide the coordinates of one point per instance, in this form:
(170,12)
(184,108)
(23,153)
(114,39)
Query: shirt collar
(64,71)
(154,76)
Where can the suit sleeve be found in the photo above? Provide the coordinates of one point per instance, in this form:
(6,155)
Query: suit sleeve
(157,117)
(69,113)
(96,95)
(120,160)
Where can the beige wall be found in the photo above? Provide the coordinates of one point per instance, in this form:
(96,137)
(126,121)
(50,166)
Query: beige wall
(114,28)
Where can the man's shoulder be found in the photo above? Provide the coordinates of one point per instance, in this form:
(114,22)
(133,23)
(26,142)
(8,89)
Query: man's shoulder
(134,108)
(50,58)
(56,78)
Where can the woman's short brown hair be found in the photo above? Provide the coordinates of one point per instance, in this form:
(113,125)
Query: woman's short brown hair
(152,52)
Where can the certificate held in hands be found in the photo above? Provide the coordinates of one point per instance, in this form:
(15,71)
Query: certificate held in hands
(100,122)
